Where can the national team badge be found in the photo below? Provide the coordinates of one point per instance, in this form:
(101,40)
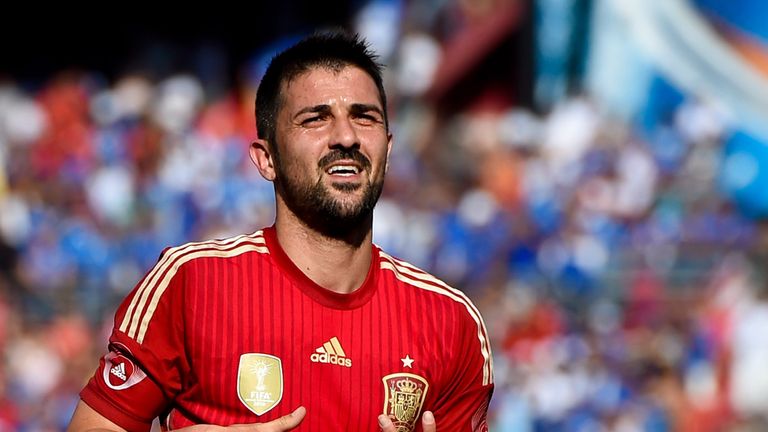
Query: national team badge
(259,382)
(404,396)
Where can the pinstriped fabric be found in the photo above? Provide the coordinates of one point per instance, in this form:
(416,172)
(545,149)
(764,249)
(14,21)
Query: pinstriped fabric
(414,271)
(144,302)
(161,287)
(140,298)
(242,295)
(241,303)
(420,279)
(209,324)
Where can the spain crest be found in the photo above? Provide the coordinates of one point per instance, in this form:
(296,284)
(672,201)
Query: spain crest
(404,396)
(260,382)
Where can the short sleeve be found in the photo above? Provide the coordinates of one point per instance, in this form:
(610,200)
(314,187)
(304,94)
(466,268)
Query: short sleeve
(138,378)
(463,404)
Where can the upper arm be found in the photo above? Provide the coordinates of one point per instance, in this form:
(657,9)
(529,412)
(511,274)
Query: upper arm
(86,418)
(463,403)
(138,378)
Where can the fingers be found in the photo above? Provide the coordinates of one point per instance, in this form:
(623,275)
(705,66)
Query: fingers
(385,423)
(284,423)
(428,422)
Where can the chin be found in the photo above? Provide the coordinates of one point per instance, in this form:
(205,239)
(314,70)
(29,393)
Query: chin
(346,188)
(349,211)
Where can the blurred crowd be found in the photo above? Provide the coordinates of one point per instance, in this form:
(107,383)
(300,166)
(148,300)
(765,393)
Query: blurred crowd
(97,179)
(621,291)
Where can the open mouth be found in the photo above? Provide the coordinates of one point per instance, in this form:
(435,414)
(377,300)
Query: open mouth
(344,170)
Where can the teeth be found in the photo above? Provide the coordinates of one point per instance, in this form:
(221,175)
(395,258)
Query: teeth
(343,169)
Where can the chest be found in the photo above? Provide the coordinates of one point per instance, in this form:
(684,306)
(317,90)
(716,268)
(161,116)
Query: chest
(263,354)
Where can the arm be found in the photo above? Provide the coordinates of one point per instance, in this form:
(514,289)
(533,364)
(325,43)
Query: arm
(86,419)
(463,403)
(138,377)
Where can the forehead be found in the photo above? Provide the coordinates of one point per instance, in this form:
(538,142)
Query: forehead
(327,86)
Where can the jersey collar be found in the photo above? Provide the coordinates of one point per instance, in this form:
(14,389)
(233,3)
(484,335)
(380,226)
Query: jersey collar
(319,294)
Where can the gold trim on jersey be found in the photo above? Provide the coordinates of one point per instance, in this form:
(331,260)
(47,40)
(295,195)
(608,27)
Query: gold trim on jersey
(404,396)
(418,278)
(260,382)
(160,276)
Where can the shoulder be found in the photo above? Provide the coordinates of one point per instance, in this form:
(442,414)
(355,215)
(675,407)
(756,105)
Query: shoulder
(164,287)
(471,326)
(176,262)
(413,277)
(231,247)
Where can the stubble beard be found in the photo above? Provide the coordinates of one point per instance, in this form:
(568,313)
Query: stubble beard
(315,205)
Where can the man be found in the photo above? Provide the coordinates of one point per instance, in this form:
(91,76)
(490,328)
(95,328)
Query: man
(307,313)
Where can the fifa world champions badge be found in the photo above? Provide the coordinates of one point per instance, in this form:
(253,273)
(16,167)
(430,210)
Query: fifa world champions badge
(260,382)
(404,396)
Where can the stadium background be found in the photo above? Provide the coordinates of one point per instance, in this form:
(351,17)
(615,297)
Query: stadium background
(591,172)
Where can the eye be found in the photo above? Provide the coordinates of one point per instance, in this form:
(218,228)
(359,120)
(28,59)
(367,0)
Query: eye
(313,120)
(368,119)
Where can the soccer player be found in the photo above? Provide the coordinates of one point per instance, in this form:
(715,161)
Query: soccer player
(305,324)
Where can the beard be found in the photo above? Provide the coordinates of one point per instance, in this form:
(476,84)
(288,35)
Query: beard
(316,206)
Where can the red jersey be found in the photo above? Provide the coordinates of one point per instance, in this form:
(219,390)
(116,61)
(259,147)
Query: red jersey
(231,331)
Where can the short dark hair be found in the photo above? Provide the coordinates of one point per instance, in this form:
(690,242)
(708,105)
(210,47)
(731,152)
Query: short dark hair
(333,50)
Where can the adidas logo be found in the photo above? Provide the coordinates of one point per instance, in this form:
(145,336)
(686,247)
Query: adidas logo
(119,371)
(331,352)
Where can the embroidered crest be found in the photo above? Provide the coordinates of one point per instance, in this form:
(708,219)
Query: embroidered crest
(404,396)
(259,382)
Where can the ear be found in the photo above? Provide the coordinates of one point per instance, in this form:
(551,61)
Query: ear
(262,158)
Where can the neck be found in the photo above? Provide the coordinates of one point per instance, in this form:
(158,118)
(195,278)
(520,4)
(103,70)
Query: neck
(321,257)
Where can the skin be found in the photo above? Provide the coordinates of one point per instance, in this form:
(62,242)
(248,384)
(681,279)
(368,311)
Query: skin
(326,111)
(323,111)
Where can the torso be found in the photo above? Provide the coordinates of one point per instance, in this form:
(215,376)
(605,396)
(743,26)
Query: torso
(267,340)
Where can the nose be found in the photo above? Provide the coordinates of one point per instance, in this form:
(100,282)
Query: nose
(343,134)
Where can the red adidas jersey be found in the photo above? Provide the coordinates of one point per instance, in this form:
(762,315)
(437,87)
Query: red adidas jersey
(231,331)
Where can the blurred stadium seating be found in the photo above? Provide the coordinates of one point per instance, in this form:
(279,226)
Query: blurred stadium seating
(589,176)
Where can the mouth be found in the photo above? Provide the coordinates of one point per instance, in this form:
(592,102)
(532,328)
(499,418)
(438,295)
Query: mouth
(344,169)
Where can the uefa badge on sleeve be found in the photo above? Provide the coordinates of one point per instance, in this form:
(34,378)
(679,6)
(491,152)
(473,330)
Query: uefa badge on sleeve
(260,382)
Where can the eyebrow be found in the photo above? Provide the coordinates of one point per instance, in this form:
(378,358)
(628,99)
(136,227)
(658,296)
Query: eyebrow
(317,109)
(357,108)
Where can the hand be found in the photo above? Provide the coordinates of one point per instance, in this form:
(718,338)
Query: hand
(427,423)
(284,423)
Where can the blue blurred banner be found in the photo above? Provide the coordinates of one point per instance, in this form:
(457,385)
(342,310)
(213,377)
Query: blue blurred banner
(744,173)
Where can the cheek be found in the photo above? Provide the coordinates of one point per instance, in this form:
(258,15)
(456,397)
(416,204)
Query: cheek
(377,144)
(381,155)
(300,168)
(300,156)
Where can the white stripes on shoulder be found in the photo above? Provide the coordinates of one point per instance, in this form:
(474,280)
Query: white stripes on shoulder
(136,319)
(418,278)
